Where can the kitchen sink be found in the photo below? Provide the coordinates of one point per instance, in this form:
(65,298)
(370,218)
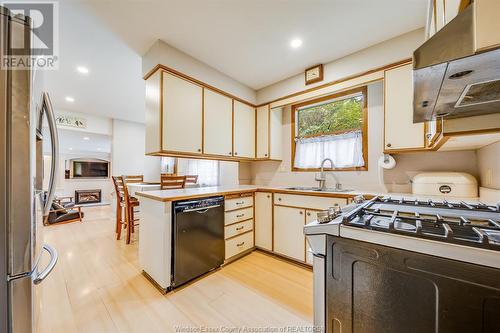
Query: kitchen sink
(302,188)
(317,189)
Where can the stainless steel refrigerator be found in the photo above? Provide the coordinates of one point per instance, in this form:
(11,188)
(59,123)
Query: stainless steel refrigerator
(22,206)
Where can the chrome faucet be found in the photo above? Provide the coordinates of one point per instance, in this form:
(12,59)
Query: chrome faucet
(322,176)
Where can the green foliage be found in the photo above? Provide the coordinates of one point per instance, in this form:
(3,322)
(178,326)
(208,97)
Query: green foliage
(336,116)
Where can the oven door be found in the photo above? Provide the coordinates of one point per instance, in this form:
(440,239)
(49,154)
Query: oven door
(373,288)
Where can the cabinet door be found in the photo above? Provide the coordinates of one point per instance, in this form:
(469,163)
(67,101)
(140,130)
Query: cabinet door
(289,239)
(263,132)
(218,129)
(400,131)
(244,130)
(182,114)
(264,220)
(276,135)
(310,216)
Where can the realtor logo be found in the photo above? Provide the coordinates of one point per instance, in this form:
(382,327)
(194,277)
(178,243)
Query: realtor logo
(40,48)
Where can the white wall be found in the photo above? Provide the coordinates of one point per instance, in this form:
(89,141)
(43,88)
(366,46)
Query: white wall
(228,173)
(381,54)
(95,124)
(396,180)
(489,166)
(128,151)
(162,53)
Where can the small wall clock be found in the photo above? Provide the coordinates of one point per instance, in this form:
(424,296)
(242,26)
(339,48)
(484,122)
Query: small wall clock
(314,74)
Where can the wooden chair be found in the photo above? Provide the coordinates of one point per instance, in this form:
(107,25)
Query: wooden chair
(191,179)
(124,203)
(131,179)
(168,182)
(130,203)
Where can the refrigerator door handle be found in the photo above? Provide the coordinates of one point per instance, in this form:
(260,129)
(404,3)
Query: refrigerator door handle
(40,276)
(51,119)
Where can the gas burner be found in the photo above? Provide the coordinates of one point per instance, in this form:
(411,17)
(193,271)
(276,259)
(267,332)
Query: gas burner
(476,225)
(385,223)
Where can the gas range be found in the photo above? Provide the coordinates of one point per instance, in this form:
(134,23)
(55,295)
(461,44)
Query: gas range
(475,225)
(448,251)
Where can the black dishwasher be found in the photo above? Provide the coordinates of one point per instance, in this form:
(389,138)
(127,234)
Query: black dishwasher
(197,238)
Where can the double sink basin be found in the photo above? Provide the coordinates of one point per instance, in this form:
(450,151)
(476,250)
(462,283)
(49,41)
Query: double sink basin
(317,189)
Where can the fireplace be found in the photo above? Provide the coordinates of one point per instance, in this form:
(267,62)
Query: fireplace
(87,196)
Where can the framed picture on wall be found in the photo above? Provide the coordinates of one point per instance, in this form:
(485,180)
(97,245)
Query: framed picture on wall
(314,74)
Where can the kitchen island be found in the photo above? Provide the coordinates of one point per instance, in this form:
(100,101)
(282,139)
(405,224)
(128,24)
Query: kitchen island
(156,226)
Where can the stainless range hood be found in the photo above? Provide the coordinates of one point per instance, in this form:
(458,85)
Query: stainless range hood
(455,75)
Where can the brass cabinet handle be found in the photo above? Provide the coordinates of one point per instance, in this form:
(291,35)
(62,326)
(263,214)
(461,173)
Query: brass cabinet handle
(301,213)
(230,153)
(240,228)
(240,244)
(279,199)
(265,155)
(268,196)
(388,145)
(308,214)
(199,149)
(235,153)
(240,215)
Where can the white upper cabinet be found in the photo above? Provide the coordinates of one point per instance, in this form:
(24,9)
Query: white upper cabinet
(244,130)
(400,131)
(218,129)
(276,133)
(487,24)
(263,132)
(182,115)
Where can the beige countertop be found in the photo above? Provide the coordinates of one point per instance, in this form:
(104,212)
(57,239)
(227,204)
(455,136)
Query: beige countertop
(200,192)
(196,192)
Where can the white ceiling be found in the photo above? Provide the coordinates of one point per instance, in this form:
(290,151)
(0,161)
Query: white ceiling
(245,39)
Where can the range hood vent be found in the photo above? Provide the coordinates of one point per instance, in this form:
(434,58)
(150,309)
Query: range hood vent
(451,78)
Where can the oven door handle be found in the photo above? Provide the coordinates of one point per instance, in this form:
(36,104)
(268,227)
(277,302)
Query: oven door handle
(54,167)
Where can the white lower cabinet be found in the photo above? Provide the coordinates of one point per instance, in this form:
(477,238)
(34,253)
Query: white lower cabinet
(310,216)
(239,244)
(289,239)
(264,220)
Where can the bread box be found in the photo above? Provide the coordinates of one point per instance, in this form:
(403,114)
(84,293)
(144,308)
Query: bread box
(448,184)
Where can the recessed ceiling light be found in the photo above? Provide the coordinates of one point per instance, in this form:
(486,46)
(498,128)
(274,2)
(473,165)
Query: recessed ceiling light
(86,138)
(70,148)
(99,149)
(69,99)
(82,70)
(296,43)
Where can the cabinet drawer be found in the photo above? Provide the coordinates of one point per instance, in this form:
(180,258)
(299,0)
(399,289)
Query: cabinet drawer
(239,244)
(238,215)
(306,201)
(238,203)
(238,228)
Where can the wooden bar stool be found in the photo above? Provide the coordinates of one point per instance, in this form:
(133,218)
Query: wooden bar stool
(168,182)
(191,179)
(130,204)
(125,217)
(132,179)
(118,183)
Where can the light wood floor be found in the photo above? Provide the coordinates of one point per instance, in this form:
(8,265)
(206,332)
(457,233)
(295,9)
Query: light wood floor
(97,287)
